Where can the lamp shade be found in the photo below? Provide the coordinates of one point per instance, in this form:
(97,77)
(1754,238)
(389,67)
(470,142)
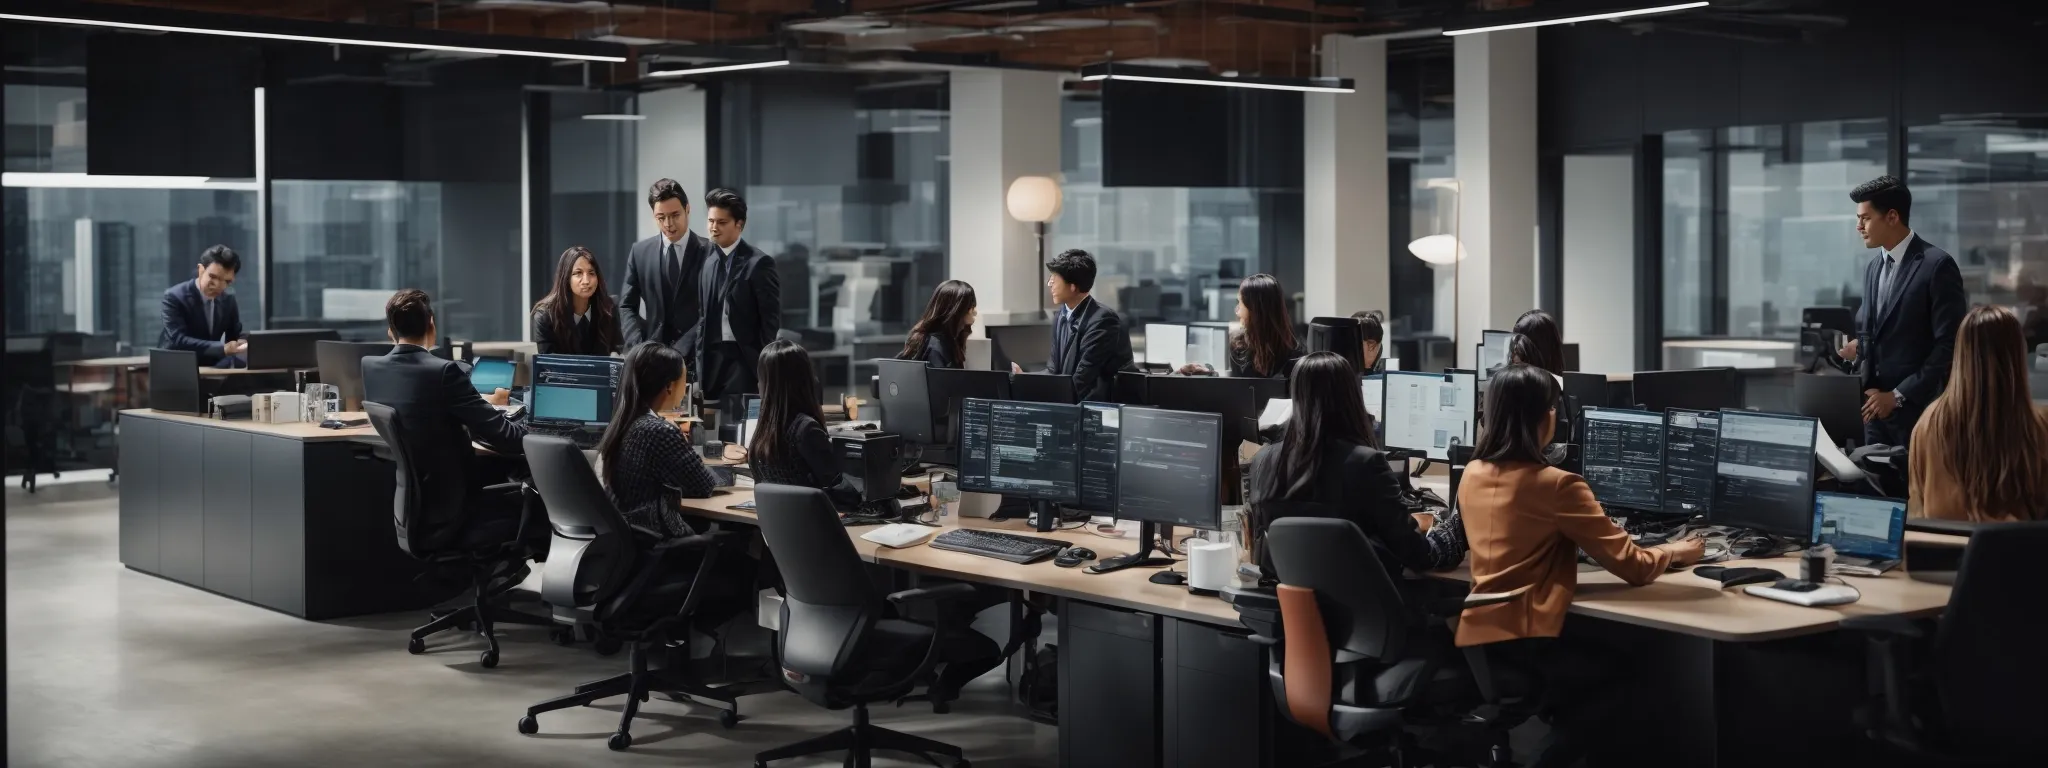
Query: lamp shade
(1034,198)
(1438,249)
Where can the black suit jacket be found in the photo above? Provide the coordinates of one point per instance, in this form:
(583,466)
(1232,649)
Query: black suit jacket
(1097,347)
(184,319)
(1357,480)
(1910,344)
(938,353)
(583,341)
(651,311)
(752,295)
(443,413)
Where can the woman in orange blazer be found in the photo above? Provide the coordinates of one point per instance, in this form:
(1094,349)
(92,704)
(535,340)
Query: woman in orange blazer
(1525,522)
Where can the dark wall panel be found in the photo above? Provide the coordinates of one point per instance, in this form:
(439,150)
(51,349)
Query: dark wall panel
(138,510)
(1168,135)
(1682,81)
(170,106)
(181,505)
(277,526)
(227,512)
(334,132)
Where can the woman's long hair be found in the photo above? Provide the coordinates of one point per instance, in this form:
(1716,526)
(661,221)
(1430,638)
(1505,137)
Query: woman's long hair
(1328,407)
(560,306)
(1269,330)
(788,388)
(945,317)
(1519,401)
(1548,338)
(1991,438)
(650,368)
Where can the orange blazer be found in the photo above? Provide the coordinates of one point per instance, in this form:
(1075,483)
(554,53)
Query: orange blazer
(1933,491)
(1525,523)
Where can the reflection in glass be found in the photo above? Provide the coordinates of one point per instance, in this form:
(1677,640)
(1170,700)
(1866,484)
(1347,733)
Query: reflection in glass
(1980,191)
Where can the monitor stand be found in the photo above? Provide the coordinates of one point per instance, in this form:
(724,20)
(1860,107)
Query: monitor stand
(1140,559)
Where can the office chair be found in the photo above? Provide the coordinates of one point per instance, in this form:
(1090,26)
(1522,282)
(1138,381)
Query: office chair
(1355,662)
(33,406)
(494,559)
(1942,688)
(631,583)
(840,647)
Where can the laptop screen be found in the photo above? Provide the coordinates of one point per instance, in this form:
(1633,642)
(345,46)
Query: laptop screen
(573,390)
(1863,526)
(490,375)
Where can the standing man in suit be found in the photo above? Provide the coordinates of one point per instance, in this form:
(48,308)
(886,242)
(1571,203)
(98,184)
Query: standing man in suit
(199,315)
(1088,339)
(661,300)
(1906,330)
(742,298)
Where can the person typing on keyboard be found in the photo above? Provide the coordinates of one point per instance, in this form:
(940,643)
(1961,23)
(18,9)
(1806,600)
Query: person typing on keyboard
(647,463)
(791,447)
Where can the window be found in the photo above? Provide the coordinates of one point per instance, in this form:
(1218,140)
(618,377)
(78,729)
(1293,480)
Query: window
(343,247)
(1421,145)
(1981,193)
(595,200)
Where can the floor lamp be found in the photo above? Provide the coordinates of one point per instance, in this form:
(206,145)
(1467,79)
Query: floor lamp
(1448,248)
(1035,199)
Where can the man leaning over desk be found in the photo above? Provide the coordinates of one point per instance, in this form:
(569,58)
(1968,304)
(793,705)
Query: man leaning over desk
(199,315)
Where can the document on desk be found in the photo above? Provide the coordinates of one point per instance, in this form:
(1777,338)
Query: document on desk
(1278,411)
(1831,458)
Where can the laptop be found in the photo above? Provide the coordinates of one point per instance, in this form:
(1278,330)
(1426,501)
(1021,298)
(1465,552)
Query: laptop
(1867,532)
(491,374)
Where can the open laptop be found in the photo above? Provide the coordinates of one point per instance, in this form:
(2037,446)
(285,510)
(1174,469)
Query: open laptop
(1867,532)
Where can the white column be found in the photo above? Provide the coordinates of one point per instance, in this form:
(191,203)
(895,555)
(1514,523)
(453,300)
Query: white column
(1344,183)
(1005,124)
(672,146)
(1495,86)
(1600,260)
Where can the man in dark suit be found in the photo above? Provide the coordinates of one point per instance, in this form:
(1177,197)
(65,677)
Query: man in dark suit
(661,300)
(742,298)
(1088,339)
(199,315)
(1906,330)
(443,413)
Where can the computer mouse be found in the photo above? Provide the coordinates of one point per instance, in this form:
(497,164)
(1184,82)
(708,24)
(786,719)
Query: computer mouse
(1073,556)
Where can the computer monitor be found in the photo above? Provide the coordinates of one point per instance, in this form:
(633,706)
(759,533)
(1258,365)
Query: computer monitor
(1234,400)
(1836,400)
(1133,388)
(750,420)
(1101,424)
(1692,441)
(1860,526)
(1029,346)
(1337,335)
(1166,343)
(947,388)
(1210,344)
(490,374)
(1166,462)
(174,381)
(288,349)
(1763,475)
(1266,389)
(1493,352)
(341,364)
(573,390)
(1428,412)
(1042,388)
(1700,389)
(1021,450)
(1624,459)
(1374,389)
(906,400)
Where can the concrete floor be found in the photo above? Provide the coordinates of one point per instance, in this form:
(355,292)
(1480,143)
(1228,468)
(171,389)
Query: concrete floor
(109,667)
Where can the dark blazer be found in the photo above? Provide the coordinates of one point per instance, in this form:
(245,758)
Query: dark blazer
(1358,480)
(938,353)
(583,340)
(1097,347)
(442,413)
(1244,365)
(184,319)
(652,311)
(752,294)
(813,463)
(1910,345)
(656,470)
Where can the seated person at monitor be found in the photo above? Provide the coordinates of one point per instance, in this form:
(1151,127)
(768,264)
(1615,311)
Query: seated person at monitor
(199,315)
(940,337)
(443,413)
(1088,339)
(1525,522)
(577,316)
(1525,350)
(791,446)
(1327,454)
(1372,335)
(1265,348)
(1546,341)
(648,465)
(1981,451)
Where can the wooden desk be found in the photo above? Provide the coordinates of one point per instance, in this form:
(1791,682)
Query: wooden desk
(207,370)
(503,348)
(302,431)
(106,362)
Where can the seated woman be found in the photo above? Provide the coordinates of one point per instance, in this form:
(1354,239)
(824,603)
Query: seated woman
(1980,453)
(1546,340)
(1264,347)
(1526,522)
(647,462)
(1327,455)
(1372,336)
(940,337)
(577,316)
(799,452)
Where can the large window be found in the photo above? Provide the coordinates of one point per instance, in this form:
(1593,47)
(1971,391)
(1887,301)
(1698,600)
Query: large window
(1981,193)
(1421,145)
(343,247)
(594,199)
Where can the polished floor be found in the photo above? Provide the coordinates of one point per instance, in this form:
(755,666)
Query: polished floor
(109,667)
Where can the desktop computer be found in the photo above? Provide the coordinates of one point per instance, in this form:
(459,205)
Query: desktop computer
(341,365)
(1101,425)
(1042,388)
(946,390)
(1235,400)
(1210,344)
(906,400)
(287,349)
(1624,459)
(1493,352)
(870,459)
(1763,474)
(572,396)
(1029,346)
(1427,413)
(1026,451)
(174,382)
(1166,344)
(1163,477)
(1692,441)
(1338,335)
(490,374)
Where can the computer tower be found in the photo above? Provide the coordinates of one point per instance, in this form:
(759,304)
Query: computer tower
(870,459)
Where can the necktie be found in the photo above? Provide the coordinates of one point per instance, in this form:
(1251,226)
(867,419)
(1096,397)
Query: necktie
(210,322)
(714,313)
(671,268)
(1884,283)
(1060,332)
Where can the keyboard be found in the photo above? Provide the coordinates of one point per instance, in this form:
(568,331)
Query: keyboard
(1001,546)
(583,438)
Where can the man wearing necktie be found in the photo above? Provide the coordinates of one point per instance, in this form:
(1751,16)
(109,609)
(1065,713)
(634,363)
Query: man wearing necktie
(742,298)
(1088,339)
(1906,330)
(199,315)
(660,300)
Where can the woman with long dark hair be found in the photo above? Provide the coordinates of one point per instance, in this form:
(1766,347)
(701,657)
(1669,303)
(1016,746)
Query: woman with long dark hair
(1981,451)
(1526,522)
(791,447)
(1546,340)
(577,317)
(1372,335)
(1327,454)
(648,465)
(1264,348)
(940,337)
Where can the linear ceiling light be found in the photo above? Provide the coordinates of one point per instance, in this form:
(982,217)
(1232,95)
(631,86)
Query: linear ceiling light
(615,117)
(710,68)
(24,179)
(1574,19)
(1094,72)
(374,43)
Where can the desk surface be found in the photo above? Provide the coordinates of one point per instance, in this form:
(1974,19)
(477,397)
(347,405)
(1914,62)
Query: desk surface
(309,432)
(106,362)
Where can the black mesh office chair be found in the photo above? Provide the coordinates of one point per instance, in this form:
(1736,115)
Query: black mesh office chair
(1355,662)
(1943,688)
(33,407)
(633,584)
(492,557)
(840,647)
